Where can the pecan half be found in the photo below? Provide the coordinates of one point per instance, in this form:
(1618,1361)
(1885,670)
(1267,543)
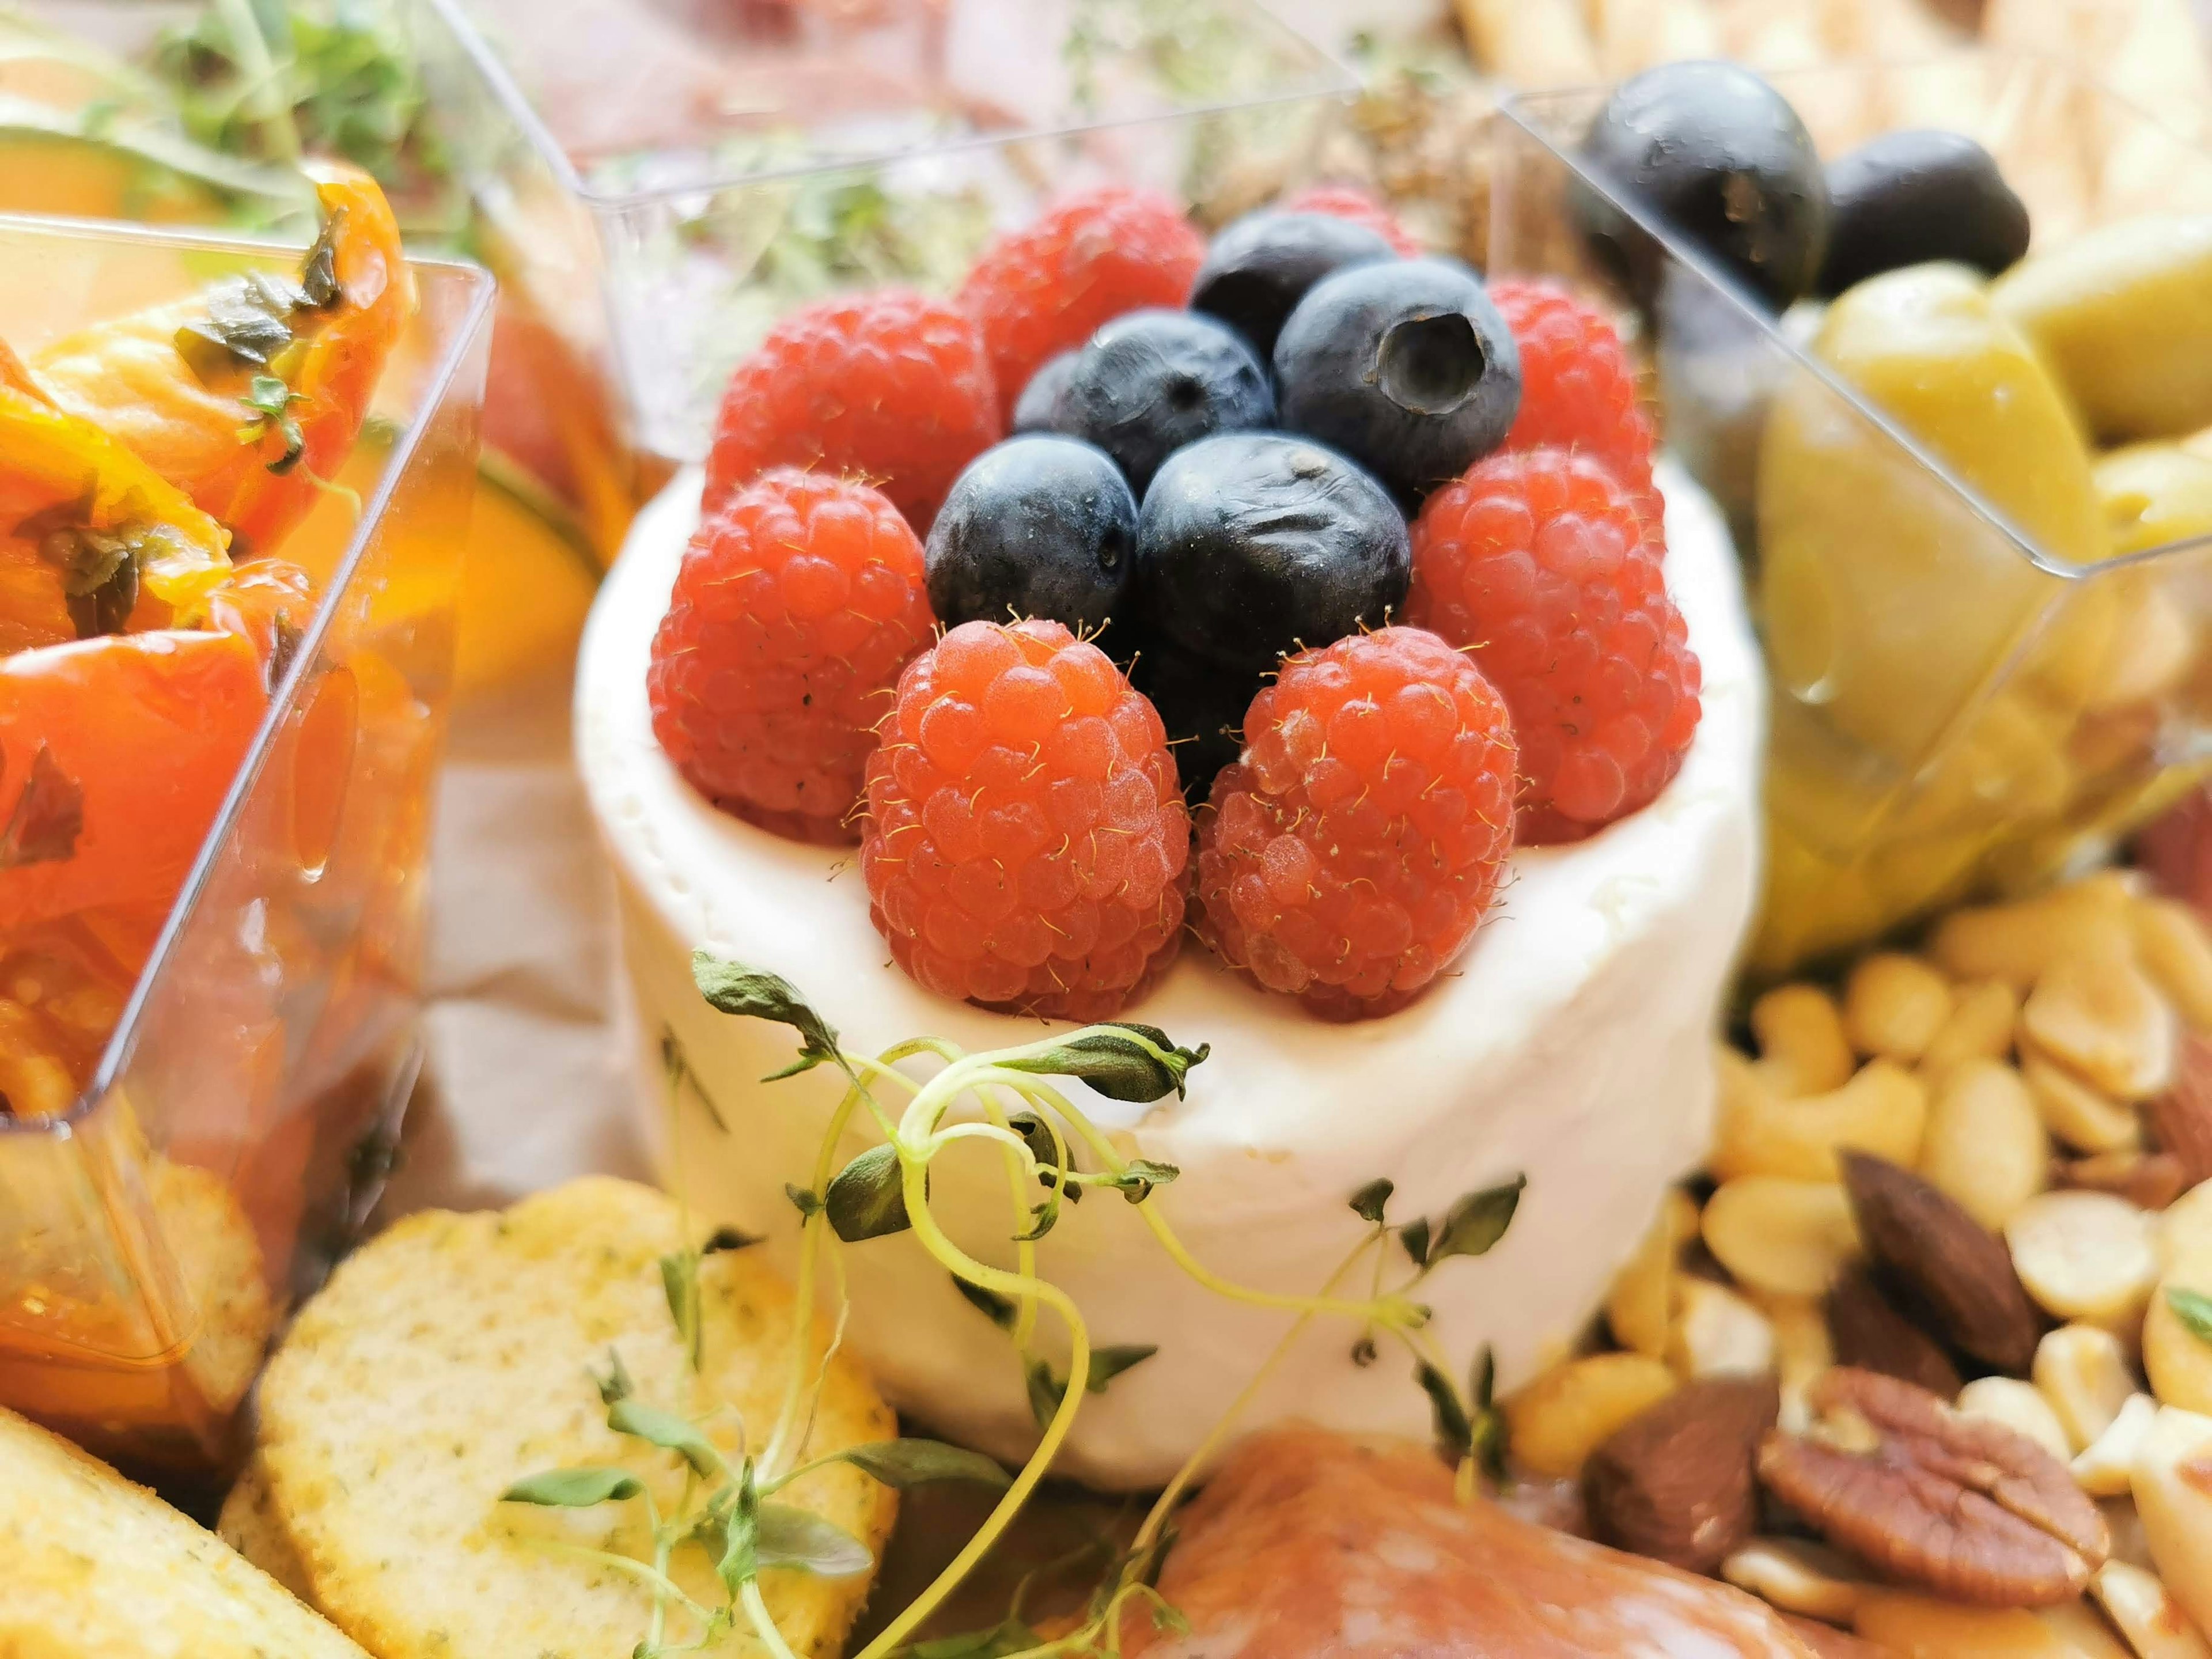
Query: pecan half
(1866,1330)
(1966,1507)
(2181,1120)
(1676,1482)
(1944,1261)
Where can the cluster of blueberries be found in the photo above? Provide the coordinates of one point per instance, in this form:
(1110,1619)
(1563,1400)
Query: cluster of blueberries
(1209,490)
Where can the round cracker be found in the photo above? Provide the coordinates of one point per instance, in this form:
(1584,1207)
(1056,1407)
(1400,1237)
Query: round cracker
(455,1354)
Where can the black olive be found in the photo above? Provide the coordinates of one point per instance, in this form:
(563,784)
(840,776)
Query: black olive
(1907,198)
(1720,156)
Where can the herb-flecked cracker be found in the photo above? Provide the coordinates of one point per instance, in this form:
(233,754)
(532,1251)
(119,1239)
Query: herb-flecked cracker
(456,1354)
(93,1566)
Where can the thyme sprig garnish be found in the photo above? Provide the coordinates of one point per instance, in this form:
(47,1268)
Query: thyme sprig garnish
(1052,1153)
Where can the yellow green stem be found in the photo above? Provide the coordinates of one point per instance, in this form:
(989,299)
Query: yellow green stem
(932,1238)
(802,1296)
(764,1625)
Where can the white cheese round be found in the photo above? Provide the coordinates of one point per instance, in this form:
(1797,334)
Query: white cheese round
(1572,1044)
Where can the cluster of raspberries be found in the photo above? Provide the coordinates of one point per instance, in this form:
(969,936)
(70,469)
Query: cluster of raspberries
(1022,838)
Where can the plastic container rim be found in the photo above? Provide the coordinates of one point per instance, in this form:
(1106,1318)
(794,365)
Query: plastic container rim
(1333,79)
(1524,109)
(405,441)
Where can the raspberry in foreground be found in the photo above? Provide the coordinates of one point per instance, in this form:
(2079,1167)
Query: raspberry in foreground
(797,603)
(1578,385)
(1351,201)
(1042,290)
(1540,561)
(1348,856)
(1025,840)
(890,386)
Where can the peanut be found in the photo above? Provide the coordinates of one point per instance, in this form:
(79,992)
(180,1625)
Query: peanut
(1912,1626)
(2084,1256)
(1985,1144)
(2098,1016)
(1894,1005)
(1559,1420)
(1883,1109)
(1788,1237)
(2106,1468)
(2079,1627)
(1797,1577)
(2129,1542)
(1802,1045)
(2084,1373)
(1640,1308)
(2172,944)
(1717,1332)
(1802,1350)
(2177,1359)
(1982,1015)
(2084,1118)
(2184,1231)
(2015,942)
(2019,1406)
(2154,1624)
(2173,1486)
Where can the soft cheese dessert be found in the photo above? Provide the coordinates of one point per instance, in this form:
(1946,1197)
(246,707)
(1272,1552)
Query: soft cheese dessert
(1571,1043)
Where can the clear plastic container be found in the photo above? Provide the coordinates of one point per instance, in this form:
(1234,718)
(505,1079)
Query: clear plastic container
(1959,703)
(240,1119)
(695,169)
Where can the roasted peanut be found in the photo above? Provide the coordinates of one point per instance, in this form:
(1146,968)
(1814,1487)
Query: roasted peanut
(2084,1118)
(2020,1407)
(1894,1005)
(2106,1468)
(2084,1633)
(2177,1358)
(1717,1332)
(1985,1144)
(1983,1016)
(2150,1619)
(1788,1237)
(2173,1488)
(2083,1371)
(2015,942)
(1798,1577)
(2100,1019)
(2172,944)
(1801,1046)
(1559,1420)
(1640,1308)
(2185,1229)
(2084,1256)
(1882,1109)
(1921,1627)
(1801,1351)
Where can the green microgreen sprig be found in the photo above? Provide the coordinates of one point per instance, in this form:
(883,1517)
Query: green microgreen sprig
(729,1508)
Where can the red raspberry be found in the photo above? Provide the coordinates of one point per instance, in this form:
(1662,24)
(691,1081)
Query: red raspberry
(1578,385)
(1538,560)
(1044,288)
(1347,857)
(1025,839)
(890,386)
(1350,202)
(799,599)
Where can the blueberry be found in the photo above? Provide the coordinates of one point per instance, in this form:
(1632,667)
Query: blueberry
(1907,198)
(1151,381)
(1202,705)
(1260,267)
(1038,525)
(1253,543)
(1721,157)
(1037,409)
(1406,367)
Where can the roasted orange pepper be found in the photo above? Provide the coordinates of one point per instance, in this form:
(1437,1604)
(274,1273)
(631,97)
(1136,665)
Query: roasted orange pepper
(115,755)
(247,396)
(92,539)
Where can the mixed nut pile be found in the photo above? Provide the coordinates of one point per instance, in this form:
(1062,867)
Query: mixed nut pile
(1932,1360)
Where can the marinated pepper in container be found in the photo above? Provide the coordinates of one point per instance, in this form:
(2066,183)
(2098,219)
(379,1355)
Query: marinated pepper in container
(153,469)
